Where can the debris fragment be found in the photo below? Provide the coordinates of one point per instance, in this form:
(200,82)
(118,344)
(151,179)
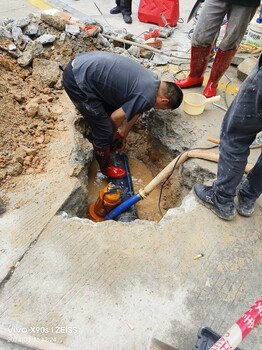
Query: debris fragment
(130,325)
(2,207)
(198,256)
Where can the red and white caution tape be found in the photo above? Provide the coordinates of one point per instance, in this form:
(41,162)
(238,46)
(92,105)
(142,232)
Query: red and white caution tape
(237,333)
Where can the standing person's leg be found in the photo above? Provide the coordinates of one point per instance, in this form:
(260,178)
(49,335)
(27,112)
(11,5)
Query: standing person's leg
(99,121)
(208,25)
(125,6)
(238,20)
(250,190)
(116,9)
(241,124)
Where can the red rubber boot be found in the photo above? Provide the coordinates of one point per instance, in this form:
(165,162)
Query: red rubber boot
(220,65)
(103,158)
(198,64)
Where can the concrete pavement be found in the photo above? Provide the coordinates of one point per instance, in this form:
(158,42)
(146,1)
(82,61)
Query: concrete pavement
(98,10)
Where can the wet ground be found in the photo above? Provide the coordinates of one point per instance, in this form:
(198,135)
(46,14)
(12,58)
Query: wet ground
(141,176)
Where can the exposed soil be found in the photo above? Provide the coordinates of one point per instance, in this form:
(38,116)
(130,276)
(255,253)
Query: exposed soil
(31,116)
(28,109)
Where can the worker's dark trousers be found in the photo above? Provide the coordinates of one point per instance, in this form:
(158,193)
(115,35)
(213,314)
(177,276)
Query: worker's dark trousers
(94,112)
(125,6)
(242,122)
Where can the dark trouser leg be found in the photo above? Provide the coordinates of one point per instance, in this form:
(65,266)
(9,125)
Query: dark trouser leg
(240,126)
(93,111)
(126,7)
(252,187)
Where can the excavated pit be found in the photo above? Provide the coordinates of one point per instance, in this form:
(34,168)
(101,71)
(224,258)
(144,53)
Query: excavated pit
(141,174)
(34,117)
(147,156)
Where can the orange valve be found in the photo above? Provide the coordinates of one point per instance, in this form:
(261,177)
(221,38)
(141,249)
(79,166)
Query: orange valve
(108,198)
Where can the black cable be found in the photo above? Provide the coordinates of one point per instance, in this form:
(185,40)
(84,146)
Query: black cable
(174,167)
(178,72)
(189,34)
(224,92)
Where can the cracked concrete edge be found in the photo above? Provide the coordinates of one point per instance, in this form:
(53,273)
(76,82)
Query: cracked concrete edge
(33,207)
(74,12)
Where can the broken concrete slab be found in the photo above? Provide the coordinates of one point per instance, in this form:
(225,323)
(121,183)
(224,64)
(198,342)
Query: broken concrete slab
(32,206)
(17,35)
(31,29)
(23,22)
(130,282)
(25,59)
(245,68)
(46,39)
(5,33)
(33,49)
(72,29)
(47,71)
(240,57)
(54,21)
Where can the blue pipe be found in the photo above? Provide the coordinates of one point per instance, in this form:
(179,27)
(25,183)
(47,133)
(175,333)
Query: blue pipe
(123,206)
(126,188)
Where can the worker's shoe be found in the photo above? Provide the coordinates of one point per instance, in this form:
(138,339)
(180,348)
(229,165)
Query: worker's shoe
(245,206)
(127,18)
(102,155)
(221,63)
(113,172)
(245,202)
(198,64)
(257,142)
(206,196)
(115,10)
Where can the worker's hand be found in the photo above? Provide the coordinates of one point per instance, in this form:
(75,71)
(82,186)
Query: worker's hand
(119,142)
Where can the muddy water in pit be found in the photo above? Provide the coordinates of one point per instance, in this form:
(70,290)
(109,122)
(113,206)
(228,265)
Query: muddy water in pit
(147,209)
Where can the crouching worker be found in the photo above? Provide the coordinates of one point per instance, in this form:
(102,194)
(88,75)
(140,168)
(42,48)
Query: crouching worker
(242,122)
(111,91)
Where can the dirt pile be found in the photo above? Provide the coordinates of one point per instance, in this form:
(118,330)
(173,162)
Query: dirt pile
(30,87)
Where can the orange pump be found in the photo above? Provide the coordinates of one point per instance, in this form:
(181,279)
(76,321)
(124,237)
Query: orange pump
(108,198)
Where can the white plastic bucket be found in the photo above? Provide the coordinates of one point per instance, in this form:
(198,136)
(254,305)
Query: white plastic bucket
(254,33)
(194,104)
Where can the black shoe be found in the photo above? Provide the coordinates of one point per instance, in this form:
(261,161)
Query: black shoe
(127,18)
(115,10)
(257,142)
(245,206)
(205,195)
